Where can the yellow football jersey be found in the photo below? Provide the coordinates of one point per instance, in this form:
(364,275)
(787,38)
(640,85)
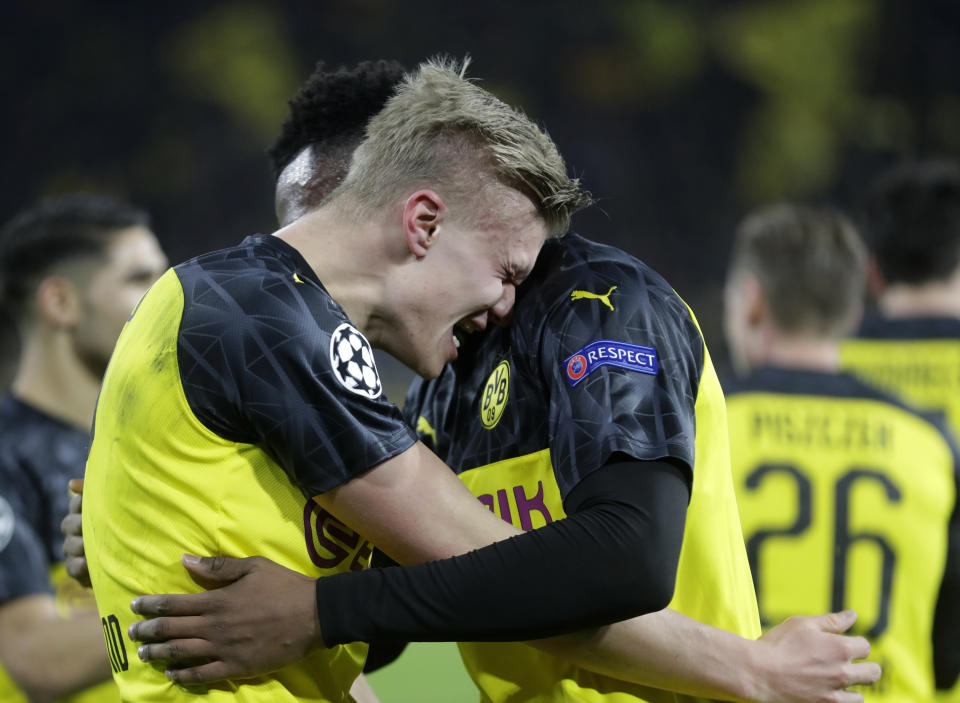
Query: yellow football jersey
(917,359)
(229,399)
(602,357)
(846,498)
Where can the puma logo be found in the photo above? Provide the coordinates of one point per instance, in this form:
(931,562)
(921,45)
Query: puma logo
(581,294)
(296,278)
(423,427)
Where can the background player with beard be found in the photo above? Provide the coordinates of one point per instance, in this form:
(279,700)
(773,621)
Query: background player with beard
(71,270)
(847,496)
(299,152)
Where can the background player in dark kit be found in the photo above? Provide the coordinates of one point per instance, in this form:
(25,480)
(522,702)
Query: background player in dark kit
(289,204)
(847,496)
(71,270)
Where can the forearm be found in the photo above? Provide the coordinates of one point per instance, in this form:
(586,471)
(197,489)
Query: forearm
(667,650)
(801,659)
(47,656)
(502,592)
(570,574)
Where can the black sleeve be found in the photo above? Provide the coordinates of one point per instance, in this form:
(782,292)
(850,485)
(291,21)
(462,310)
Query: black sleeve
(946,622)
(383,652)
(271,361)
(618,381)
(613,559)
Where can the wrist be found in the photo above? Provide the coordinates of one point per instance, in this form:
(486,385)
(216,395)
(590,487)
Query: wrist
(754,681)
(316,636)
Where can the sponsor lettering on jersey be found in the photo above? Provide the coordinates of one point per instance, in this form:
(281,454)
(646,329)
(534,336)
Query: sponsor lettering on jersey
(602,297)
(525,506)
(352,360)
(330,542)
(605,352)
(116,648)
(495,394)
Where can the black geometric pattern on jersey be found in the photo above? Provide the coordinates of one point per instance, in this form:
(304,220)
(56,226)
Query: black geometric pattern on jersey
(612,410)
(255,364)
(946,623)
(909,328)
(38,455)
(23,566)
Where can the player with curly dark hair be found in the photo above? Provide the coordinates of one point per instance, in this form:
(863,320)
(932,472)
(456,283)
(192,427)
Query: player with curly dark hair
(327,117)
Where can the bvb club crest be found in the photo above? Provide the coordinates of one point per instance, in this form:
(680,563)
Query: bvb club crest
(495,394)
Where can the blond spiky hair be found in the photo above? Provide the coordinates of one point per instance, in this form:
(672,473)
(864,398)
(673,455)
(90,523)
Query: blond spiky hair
(441,128)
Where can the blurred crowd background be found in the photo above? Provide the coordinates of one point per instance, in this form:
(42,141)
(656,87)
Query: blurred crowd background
(678,115)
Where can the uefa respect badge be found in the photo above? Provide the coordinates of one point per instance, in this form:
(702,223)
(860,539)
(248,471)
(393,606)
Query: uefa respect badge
(605,352)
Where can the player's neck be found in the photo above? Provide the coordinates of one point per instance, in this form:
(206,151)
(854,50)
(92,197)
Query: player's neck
(804,354)
(940,299)
(351,259)
(52,379)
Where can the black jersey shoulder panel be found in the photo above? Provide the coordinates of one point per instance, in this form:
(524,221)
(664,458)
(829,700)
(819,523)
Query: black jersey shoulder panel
(909,328)
(613,410)
(254,350)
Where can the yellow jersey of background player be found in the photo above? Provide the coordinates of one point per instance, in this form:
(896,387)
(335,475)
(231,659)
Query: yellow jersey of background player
(230,398)
(917,358)
(847,498)
(602,362)
(911,219)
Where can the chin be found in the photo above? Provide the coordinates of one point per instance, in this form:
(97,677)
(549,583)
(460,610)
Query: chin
(431,371)
(426,368)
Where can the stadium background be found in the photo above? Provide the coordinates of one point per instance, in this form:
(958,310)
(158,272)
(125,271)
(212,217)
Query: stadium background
(678,116)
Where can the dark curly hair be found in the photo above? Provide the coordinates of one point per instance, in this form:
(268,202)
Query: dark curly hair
(911,221)
(334,105)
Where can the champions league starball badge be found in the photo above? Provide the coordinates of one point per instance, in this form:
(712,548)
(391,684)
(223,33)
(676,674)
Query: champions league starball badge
(352,360)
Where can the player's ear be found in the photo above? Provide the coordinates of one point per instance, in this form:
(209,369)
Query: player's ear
(755,302)
(58,301)
(423,214)
(875,281)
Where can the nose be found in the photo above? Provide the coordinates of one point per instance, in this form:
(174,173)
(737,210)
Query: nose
(476,323)
(502,309)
